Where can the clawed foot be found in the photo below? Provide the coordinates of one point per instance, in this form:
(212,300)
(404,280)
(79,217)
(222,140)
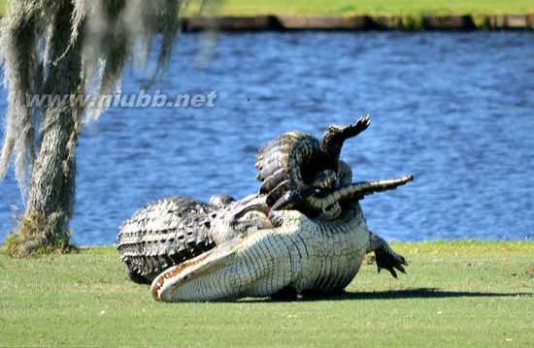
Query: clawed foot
(354,129)
(342,133)
(336,135)
(390,260)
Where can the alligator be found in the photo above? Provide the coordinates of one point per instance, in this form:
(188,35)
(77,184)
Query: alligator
(295,168)
(305,188)
(298,256)
(173,230)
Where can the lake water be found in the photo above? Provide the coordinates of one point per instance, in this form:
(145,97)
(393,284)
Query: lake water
(456,110)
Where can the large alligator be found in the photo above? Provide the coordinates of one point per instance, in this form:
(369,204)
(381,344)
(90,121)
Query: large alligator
(300,255)
(297,173)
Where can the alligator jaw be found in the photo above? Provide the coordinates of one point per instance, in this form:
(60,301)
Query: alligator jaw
(357,191)
(328,205)
(331,212)
(166,286)
(258,265)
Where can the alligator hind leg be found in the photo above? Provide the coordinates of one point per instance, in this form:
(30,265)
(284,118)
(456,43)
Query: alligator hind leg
(385,256)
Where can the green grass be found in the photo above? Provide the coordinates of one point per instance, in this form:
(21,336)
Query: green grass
(368,7)
(375,7)
(465,294)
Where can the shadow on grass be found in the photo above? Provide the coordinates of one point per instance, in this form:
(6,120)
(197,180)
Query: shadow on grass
(417,293)
(414,293)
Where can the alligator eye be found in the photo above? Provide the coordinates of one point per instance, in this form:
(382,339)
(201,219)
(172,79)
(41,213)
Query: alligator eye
(321,192)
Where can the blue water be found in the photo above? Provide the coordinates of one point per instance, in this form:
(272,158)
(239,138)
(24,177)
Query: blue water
(456,110)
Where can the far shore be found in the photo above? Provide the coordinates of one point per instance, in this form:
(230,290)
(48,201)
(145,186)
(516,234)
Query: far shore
(358,23)
(350,15)
(290,23)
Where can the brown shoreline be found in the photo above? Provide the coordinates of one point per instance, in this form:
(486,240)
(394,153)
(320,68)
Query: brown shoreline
(358,23)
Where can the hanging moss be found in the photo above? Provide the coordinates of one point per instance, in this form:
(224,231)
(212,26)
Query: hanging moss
(90,41)
(108,29)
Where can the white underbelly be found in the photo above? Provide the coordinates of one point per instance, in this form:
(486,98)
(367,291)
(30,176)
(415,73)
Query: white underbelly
(334,256)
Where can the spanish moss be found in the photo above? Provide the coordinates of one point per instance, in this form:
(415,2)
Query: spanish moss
(75,48)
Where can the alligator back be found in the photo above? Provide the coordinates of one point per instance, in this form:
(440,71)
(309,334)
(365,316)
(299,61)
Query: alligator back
(163,234)
(288,163)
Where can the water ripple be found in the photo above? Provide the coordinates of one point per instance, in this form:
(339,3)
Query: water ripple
(455,109)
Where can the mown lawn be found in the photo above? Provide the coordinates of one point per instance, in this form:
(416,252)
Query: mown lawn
(459,294)
(368,7)
(374,7)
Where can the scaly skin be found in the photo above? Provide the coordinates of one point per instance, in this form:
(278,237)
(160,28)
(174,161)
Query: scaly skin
(162,234)
(297,164)
(299,174)
(286,164)
(170,231)
(301,254)
(297,254)
(349,192)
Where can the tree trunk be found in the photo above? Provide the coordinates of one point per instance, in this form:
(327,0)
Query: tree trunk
(51,194)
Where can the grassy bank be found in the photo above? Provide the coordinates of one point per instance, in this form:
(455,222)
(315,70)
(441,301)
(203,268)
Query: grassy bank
(374,7)
(455,294)
(367,7)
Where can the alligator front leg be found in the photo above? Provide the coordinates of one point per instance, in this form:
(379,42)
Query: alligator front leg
(336,135)
(385,256)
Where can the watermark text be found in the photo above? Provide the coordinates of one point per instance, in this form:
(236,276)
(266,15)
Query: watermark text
(157,99)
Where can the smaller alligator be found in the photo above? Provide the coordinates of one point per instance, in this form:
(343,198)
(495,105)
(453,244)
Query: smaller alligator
(296,169)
